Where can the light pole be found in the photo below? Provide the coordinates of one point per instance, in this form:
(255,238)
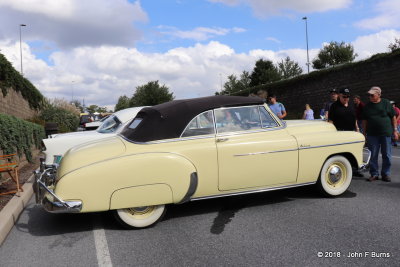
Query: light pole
(20,45)
(308,59)
(72,90)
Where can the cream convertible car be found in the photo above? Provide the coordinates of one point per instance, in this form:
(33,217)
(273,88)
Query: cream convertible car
(196,149)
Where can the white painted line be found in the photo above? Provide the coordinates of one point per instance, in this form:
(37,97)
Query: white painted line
(102,251)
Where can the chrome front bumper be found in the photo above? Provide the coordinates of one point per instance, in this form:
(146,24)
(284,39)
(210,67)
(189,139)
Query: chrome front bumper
(43,187)
(367,155)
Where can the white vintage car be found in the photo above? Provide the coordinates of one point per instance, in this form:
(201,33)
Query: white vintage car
(56,146)
(195,149)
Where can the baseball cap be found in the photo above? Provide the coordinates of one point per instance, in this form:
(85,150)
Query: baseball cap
(334,90)
(344,91)
(375,90)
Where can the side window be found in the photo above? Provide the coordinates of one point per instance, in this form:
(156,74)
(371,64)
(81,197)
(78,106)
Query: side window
(266,119)
(237,119)
(202,124)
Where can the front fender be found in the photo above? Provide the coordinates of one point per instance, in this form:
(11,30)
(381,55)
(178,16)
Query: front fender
(129,181)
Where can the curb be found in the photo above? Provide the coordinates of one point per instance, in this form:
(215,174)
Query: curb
(10,213)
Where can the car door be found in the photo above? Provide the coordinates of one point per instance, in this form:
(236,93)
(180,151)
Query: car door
(254,149)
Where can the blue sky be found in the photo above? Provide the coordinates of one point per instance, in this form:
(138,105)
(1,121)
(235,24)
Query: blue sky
(102,49)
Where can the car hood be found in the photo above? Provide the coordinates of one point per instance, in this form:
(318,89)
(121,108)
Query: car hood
(91,153)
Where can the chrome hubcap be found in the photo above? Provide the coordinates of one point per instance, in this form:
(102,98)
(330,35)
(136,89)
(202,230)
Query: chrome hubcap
(335,174)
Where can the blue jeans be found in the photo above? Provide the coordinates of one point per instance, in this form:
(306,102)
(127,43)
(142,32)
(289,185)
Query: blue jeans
(383,143)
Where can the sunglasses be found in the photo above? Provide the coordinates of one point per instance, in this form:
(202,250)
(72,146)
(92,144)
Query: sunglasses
(370,95)
(345,96)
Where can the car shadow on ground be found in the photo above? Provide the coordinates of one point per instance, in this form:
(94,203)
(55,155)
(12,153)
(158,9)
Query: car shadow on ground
(42,223)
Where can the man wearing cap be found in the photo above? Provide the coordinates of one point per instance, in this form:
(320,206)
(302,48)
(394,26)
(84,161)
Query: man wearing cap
(379,123)
(342,114)
(334,96)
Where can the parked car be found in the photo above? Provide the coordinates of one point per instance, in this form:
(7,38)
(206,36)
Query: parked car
(95,124)
(197,149)
(58,144)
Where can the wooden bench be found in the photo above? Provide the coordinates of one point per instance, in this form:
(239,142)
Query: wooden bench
(9,164)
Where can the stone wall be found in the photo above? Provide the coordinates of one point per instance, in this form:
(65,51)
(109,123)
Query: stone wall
(14,104)
(313,89)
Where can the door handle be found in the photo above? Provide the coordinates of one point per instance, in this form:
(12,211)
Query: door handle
(220,140)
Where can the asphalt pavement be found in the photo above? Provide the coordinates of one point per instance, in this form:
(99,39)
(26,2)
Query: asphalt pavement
(295,227)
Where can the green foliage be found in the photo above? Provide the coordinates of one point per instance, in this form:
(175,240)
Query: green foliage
(123,103)
(95,108)
(234,85)
(334,54)
(19,136)
(66,120)
(78,104)
(151,94)
(288,68)
(10,78)
(395,45)
(264,72)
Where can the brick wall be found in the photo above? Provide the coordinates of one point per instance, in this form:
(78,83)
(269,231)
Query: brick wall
(311,89)
(14,104)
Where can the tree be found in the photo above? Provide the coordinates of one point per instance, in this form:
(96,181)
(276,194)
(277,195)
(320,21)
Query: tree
(395,45)
(151,94)
(233,85)
(334,54)
(95,108)
(264,72)
(78,105)
(288,68)
(123,103)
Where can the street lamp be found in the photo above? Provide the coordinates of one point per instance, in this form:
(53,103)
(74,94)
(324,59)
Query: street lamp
(308,59)
(72,89)
(20,45)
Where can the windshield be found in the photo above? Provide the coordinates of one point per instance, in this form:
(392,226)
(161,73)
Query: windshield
(110,125)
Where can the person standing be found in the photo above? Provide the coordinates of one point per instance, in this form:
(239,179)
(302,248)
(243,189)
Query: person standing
(379,123)
(276,107)
(333,98)
(358,106)
(397,114)
(342,114)
(308,113)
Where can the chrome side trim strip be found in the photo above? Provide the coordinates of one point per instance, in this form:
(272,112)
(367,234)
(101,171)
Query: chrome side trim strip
(338,144)
(264,152)
(253,191)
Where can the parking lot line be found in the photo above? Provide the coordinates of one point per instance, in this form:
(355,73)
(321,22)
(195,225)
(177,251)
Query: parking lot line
(102,251)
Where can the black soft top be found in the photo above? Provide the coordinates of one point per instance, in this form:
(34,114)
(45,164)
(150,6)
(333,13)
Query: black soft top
(168,120)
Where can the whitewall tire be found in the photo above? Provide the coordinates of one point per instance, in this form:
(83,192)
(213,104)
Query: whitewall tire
(335,176)
(140,217)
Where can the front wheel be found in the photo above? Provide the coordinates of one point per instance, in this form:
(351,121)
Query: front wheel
(140,217)
(335,176)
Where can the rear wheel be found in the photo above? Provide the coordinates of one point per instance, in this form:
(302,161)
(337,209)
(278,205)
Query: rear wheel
(140,217)
(335,176)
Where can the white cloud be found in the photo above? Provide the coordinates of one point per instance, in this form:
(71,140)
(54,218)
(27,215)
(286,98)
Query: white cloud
(101,74)
(273,39)
(263,8)
(368,45)
(72,23)
(388,16)
(199,33)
